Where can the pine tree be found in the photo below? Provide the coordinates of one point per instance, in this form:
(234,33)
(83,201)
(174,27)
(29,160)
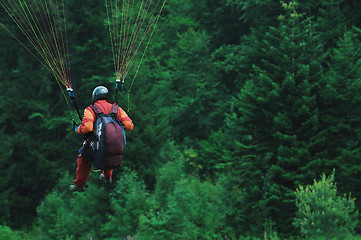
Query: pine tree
(340,111)
(35,125)
(37,129)
(322,213)
(176,93)
(274,118)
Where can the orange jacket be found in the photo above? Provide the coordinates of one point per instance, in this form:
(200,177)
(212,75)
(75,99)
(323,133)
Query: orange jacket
(90,117)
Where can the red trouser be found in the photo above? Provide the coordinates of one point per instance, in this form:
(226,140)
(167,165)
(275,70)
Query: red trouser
(83,170)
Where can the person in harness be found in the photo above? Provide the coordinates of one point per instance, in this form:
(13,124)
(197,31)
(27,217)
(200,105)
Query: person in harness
(95,150)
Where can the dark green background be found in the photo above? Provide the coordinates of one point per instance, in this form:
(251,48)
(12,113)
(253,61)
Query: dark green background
(235,105)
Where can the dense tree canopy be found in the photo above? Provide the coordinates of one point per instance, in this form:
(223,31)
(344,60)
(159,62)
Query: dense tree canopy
(236,105)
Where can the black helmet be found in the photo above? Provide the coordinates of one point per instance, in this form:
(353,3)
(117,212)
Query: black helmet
(99,93)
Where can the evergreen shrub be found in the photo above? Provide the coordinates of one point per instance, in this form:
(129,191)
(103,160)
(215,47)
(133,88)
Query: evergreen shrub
(321,213)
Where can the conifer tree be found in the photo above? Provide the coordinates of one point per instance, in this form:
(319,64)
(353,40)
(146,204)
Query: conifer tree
(37,128)
(340,111)
(176,93)
(36,125)
(322,213)
(274,118)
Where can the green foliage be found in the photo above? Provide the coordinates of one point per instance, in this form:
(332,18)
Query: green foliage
(30,111)
(128,202)
(322,213)
(7,233)
(191,209)
(274,117)
(171,172)
(236,104)
(66,215)
(220,19)
(210,157)
(5,179)
(341,106)
(233,201)
(251,11)
(181,205)
(52,216)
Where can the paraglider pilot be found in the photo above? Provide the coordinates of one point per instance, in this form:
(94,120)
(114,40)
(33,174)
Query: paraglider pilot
(100,98)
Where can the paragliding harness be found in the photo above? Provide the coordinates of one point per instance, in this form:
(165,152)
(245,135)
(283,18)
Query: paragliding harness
(105,146)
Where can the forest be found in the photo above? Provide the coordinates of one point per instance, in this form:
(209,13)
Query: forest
(247,125)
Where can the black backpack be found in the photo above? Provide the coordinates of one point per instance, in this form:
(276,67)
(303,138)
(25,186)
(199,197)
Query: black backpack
(105,147)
